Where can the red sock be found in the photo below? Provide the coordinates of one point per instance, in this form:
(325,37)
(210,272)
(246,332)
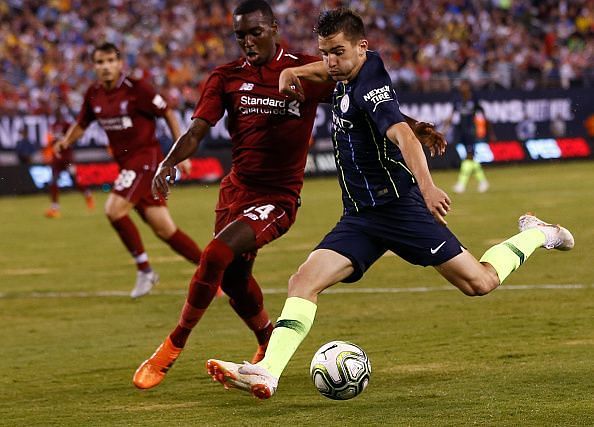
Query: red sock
(53,190)
(248,303)
(131,238)
(203,287)
(181,243)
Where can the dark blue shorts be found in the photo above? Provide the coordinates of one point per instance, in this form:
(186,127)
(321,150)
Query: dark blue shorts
(468,139)
(405,227)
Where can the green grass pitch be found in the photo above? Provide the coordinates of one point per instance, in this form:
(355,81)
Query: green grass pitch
(523,355)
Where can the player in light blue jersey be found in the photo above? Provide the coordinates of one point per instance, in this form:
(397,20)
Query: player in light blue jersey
(390,202)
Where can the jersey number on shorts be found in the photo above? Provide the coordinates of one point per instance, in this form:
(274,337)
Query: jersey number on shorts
(124,179)
(262,211)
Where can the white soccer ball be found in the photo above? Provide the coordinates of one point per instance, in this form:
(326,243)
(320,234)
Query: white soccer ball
(340,370)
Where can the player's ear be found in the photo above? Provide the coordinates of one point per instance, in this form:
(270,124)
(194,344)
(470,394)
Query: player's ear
(274,28)
(362,47)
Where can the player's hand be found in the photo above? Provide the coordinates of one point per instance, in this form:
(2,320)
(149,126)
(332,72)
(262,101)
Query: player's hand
(58,147)
(430,138)
(290,85)
(185,167)
(164,177)
(437,202)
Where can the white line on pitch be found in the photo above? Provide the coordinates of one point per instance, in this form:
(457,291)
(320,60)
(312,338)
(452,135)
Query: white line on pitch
(344,289)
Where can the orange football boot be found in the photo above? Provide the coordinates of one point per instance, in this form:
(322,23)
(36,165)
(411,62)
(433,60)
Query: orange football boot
(152,371)
(52,213)
(90,201)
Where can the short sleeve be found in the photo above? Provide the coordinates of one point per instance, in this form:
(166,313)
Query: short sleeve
(149,101)
(86,114)
(210,107)
(376,97)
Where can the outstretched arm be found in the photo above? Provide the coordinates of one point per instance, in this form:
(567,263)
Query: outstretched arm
(290,85)
(183,149)
(437,200)
(173,125)
(74,132)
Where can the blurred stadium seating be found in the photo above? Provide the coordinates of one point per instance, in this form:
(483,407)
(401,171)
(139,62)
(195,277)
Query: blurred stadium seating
(428,44)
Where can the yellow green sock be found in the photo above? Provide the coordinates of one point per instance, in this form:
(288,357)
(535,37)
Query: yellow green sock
(290,330)
(466,169)
(507,256)
(478,172)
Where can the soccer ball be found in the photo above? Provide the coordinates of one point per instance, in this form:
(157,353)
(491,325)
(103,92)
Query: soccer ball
(340,370)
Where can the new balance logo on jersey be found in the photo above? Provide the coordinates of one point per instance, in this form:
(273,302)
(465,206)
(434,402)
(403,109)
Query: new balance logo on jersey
(246,86)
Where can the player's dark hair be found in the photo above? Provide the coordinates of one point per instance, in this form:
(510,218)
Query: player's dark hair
(249,6)
(340,20)
(106,47)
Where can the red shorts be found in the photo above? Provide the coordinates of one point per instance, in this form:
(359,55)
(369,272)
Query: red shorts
(62,164)
(269,215)
(134,185)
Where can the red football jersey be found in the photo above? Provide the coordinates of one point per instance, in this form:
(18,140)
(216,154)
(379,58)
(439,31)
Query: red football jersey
(128,115)
(269,133)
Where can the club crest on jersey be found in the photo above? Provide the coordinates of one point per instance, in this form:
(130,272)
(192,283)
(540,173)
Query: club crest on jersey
(123,107)
(345,102)
(246,86)
(97,109)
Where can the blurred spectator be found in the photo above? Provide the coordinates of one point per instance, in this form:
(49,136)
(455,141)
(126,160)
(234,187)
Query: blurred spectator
(558,126)
(428,45)
(25,148)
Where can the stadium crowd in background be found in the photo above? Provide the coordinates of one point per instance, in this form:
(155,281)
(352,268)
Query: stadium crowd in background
(427,45)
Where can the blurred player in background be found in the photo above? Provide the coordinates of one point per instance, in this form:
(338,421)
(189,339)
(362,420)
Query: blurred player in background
(127,110)
(470,126)
(258,200)
(390,203)
(64,161)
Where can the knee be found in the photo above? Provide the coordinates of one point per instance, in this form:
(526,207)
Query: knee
(216,255)
(294,281)
(478,288)
(112,214)
(300,285)
(163,233)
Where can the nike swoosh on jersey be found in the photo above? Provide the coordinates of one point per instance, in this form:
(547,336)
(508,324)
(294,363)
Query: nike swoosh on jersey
(434,251)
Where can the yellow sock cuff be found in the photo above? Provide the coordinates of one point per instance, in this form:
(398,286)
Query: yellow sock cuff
(299,309)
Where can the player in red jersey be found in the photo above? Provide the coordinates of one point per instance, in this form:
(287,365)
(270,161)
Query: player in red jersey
(127,110)
(258,200)
(62,162)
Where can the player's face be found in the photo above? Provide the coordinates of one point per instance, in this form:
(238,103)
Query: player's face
(465,90)
(343,57)
(255,35)
(107,66)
